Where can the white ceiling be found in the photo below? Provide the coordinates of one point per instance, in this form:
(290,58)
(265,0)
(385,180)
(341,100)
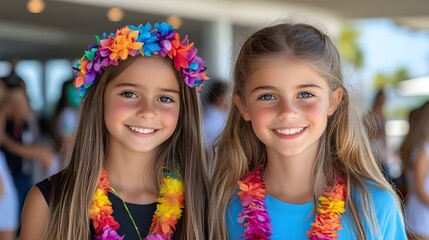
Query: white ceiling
(66,27)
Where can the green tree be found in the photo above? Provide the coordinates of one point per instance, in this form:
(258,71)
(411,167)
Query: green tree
(383,79)
(349,48)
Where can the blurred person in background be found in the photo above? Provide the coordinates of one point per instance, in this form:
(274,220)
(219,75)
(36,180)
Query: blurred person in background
(8,194)
(64,121)
(16,127)
(19,142)
(414,153)
(13,79)
(215,110)
(8,203)
(41,152)
(378,136)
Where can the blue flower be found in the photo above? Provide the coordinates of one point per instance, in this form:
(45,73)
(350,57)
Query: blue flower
(148,38)
(164,28)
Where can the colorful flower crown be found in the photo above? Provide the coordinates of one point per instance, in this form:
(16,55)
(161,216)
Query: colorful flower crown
(131,40)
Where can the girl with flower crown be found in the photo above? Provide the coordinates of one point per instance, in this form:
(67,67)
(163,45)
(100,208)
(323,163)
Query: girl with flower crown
(294,161)
(136,168)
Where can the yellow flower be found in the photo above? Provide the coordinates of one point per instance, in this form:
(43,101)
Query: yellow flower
(101,198)
(331,206)
(170,204)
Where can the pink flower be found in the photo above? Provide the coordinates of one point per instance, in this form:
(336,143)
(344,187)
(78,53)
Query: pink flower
(109,234)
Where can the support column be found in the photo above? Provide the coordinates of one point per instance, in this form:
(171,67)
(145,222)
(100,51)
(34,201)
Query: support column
(218,39)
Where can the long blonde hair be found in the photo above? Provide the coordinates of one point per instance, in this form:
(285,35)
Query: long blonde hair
(73,188)
(343,150)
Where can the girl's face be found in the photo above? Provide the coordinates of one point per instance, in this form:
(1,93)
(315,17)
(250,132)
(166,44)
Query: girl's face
(18,105)
(288,104)
(141,105)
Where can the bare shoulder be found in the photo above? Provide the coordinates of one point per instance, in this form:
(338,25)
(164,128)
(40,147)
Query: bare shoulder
(35,215)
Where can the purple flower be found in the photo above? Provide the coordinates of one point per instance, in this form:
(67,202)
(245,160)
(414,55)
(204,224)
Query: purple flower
(314,237)
(165,43)
(109,234)
(157,236)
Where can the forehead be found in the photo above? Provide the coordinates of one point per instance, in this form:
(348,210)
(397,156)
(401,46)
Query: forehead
(284,71)
(148,71)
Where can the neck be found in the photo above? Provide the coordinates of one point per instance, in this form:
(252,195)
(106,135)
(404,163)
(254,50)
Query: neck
(290,179)
(133,176)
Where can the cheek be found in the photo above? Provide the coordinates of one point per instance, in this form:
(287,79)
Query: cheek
(115,109)
(260,118)
(114,113)
(318,108)
(313,110)
(171,116)
(258,113)
(317,113)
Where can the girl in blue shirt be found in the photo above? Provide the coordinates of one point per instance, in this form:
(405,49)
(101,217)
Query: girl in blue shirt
(294,160)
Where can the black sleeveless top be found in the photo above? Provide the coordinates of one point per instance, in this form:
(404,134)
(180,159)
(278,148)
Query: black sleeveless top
(142,214)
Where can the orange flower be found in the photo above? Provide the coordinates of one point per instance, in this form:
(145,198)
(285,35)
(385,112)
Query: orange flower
(124,44)
(251,189)
(104,181)
(79,80)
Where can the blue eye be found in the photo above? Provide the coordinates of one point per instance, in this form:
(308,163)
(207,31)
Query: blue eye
(305,95)
(165,99)
(128,94)
(266,97)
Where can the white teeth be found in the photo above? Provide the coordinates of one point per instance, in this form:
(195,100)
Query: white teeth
(142,130)
(289,131)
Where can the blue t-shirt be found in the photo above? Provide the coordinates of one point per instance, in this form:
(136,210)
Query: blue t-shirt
(292,221)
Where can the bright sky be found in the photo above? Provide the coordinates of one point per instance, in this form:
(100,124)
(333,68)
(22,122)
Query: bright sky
(388,47)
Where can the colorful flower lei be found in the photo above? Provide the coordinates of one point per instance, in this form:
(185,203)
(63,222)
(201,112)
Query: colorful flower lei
(167,214)
(131,40)
(256,220)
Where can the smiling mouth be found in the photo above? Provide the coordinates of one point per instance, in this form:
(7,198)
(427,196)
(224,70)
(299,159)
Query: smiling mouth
(289,131)
(142,130)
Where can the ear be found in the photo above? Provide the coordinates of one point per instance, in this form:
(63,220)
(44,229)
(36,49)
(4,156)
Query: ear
(241,107)
(336,97)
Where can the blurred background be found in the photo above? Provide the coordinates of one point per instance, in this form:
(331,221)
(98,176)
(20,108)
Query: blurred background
(384,45)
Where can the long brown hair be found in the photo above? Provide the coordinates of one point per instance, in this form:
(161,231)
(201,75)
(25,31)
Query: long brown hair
(73,188)
(343,150)
(416,136)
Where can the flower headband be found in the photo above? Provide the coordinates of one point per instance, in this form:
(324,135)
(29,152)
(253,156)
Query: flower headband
(131,40)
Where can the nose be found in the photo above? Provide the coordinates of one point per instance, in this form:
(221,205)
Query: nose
(146,109)
(287,110)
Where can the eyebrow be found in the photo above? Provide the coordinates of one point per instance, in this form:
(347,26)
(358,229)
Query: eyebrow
(263,88)
(128,85)
(267,87)
(310,85)
(141,86)
(170,90)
